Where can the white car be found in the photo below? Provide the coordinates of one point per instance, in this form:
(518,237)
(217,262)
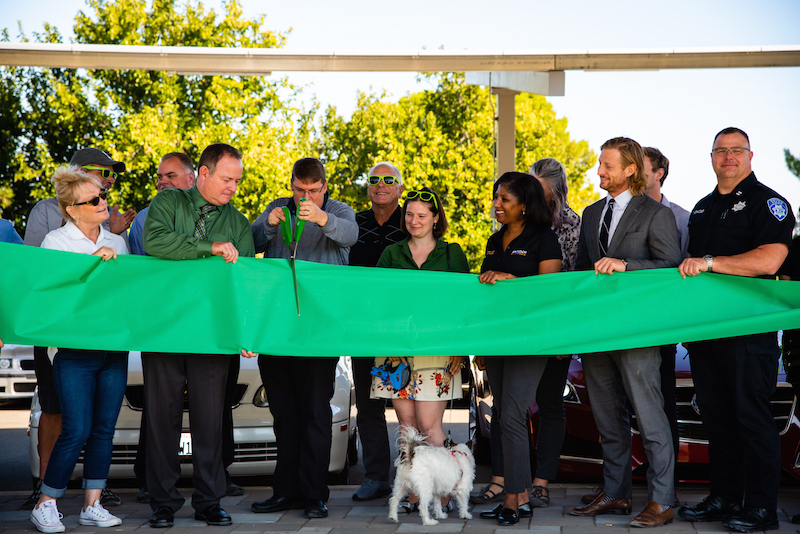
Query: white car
(17,375)
(255,449)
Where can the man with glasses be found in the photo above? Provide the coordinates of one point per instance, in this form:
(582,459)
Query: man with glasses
(176,170)
(44,218)
(299,389)
(742,228)
(378,227)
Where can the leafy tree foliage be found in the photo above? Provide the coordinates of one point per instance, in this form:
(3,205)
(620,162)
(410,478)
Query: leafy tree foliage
(792,162)
(443,139)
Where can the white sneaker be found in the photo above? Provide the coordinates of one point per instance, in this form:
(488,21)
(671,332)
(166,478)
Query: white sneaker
(46,517)
(97,516)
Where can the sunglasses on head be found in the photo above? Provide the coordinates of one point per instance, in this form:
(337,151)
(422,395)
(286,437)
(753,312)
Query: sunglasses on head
(96,200)
(388,180)
(105,173)
(425,196)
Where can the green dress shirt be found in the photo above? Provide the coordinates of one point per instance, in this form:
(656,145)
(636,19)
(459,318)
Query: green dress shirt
(169,228)
(398,256)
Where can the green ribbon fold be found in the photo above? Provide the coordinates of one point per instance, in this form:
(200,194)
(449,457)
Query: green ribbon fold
(62,299)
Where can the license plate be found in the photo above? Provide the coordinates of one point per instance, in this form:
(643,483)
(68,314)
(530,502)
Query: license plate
(185,447)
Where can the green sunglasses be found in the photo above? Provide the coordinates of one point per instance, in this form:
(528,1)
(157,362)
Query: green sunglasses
(388,180)
(105,173)
(425,196)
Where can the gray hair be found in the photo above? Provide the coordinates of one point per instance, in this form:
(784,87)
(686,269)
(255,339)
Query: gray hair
(552,172)
(395,170)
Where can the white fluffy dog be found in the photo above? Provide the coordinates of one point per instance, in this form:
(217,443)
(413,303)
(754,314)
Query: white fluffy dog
(431,473)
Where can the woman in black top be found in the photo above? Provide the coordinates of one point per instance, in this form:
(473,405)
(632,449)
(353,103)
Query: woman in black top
(524,246)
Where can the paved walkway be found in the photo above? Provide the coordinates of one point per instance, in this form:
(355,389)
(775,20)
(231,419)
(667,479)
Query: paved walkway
(347,516)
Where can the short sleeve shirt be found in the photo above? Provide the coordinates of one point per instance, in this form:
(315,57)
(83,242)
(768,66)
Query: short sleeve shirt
(523,254)
(746,218)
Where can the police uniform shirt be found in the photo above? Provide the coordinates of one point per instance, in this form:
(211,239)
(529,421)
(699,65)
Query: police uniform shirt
(374,238)
(746,218)
(523,254)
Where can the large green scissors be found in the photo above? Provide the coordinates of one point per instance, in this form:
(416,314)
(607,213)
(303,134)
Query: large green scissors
(291,236)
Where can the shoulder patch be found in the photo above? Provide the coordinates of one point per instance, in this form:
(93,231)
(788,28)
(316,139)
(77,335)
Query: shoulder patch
(777,208)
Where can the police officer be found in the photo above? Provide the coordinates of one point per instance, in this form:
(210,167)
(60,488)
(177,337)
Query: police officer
(742,228)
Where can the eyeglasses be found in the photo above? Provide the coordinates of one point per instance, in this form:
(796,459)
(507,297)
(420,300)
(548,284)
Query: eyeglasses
(387,180)
(425,196)
(105,173)
(307,192)
(96,200)
(735,150)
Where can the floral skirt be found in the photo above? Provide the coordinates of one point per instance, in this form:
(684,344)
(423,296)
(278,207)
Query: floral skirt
(429,381)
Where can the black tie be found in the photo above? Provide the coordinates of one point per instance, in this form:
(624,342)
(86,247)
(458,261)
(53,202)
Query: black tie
(200,225)
(604,229)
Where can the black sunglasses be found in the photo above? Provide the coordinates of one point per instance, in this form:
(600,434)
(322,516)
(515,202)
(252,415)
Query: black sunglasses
(96,200)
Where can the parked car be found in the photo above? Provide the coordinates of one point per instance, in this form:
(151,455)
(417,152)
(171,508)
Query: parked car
(255,450)
(17,376)
(581,454)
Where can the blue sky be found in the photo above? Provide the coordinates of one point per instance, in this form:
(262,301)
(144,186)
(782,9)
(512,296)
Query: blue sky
(678,111)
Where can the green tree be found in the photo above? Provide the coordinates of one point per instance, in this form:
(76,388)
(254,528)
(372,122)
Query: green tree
(443,138)
(792,162)
(137,116)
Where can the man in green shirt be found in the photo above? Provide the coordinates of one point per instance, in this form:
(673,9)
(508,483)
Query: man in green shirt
(187,225)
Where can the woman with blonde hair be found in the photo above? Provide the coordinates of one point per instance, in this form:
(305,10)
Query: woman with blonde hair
(90,383)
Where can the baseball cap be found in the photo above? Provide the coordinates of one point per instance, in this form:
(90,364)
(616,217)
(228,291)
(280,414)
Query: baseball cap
(89,156)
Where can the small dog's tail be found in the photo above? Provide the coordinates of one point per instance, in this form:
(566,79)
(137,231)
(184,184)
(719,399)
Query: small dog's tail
(408,439)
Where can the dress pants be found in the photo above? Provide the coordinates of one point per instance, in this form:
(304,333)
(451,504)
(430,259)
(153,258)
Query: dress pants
(371,421)
(228,445)
(165,376)
(734,379)
(633,373)
(299,391)
(514,380)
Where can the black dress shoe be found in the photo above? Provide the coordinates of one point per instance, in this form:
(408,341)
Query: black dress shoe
(214,515)
(277,504)
(143,497)
(753,520)
(525,510)
(507,516)
(796,519)
(234,490)
(163,517)
(713,508)
(316,510)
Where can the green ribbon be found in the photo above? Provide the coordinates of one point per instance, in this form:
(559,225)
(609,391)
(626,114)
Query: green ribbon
(62,299)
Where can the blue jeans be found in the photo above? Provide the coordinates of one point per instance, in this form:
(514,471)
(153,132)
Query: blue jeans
(90,386)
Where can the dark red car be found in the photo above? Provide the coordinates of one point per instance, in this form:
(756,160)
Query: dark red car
(582,456)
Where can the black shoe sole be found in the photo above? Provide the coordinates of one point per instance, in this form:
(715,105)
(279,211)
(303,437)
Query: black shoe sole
(165,524)
(378,495)
(759,528)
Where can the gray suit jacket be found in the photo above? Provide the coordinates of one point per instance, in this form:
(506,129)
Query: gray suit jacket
(647,236)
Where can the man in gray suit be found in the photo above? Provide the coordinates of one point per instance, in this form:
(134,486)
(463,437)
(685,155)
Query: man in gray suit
(628,230)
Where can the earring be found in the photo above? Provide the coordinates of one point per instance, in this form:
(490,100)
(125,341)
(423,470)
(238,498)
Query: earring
(523,213)
(434,226)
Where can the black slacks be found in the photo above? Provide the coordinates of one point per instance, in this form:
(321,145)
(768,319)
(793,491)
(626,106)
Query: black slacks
(165,376)
(371,423)
(299,390)
(734,379)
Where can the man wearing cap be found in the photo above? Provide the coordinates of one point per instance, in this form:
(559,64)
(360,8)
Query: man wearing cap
(190,225)
(378,227)
(46,217)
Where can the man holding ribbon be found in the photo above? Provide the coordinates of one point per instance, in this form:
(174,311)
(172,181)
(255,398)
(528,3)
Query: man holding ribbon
(299,389)
(188,225)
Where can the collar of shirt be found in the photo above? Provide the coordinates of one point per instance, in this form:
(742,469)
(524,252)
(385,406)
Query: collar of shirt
(741,188)
(75,234)
(666,202)
(198,200)
(621,202)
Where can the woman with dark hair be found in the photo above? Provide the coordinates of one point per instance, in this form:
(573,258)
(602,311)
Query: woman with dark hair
(521,207)
(434,380)
(90,383)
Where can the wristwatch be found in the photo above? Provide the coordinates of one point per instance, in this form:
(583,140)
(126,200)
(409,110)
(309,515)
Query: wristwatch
(625,262)
(709,261)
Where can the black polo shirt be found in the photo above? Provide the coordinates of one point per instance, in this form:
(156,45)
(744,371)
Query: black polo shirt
(523,254)
(373,238)
(748,217)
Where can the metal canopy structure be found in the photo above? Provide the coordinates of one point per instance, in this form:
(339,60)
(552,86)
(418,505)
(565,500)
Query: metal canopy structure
(506,72)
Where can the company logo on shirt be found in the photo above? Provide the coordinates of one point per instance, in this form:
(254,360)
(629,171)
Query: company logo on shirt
(696,212)
(490,252)
(519,252)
